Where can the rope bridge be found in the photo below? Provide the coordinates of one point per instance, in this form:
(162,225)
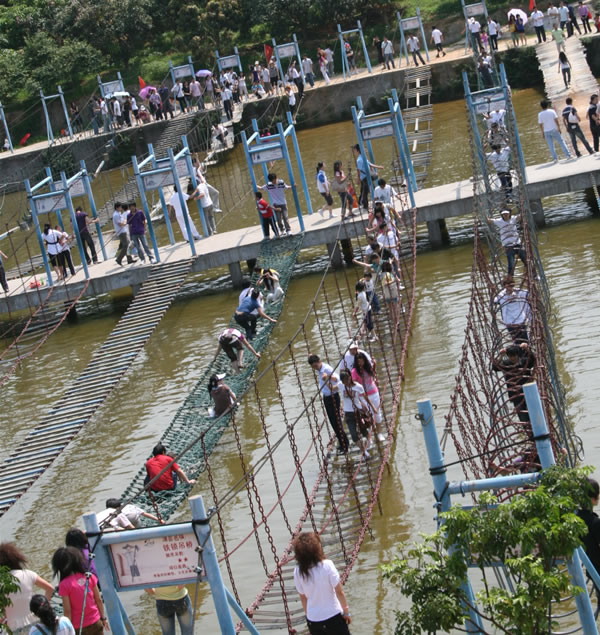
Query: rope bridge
(488,421)
(307,486)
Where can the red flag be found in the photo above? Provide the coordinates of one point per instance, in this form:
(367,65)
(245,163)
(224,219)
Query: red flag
(268,52)
(142,83)
(24,139)
(531,5)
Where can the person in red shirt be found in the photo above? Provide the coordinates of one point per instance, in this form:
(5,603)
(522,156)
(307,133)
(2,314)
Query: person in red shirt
(168,480)
(267,216)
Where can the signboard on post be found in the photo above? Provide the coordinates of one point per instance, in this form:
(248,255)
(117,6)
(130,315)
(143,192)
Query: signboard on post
(471,10)
(181,71)
(378,132)
(228,62)
(51,203)
(154,181)
(112,87)
(77,188)
(410,23)
(286,50)
(272,154)
(156,561)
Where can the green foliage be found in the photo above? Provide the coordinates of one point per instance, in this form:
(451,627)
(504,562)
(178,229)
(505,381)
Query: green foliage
(527,535)
(8,584)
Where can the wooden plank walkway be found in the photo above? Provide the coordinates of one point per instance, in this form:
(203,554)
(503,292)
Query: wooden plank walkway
(583,82)
(103,373)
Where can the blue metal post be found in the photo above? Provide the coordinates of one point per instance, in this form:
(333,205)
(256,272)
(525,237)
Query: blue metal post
(405,160)
(172,73)
(397,115)
(363,154)
(241,614)
(364,47)
(251,171)
(288,163)
(343,49)
(100,86)
(440,484)
(403,46)
(53,189)
(277,59)
(218,61)
(423,34)
(191,65)
(64,107)
(186,218)
(544,449)
(504,82)
(69,201)
(300,169)
(473,116)
(163,202)
(192,173)
(49,132)
(38,231)
(361,114)
(6,130)
(142,190)
(262,165)
(109,593)
(239,61)
(299,58)
(211,564)
(88,190)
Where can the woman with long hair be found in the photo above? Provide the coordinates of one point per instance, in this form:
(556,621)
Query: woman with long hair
(76,538)
(82,603)
(19,617)
(321,592)
(50,623)
(565,67)
(364,374)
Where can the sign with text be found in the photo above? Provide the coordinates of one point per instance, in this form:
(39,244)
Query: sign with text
(180,166)
(286,50)
(75,189)
(386,130)
(410,23)
(229,62)
(155,561)
(182,71)
(264,156)
(493,101)
(51,203)
(472,10)
(154,181)
(112,87)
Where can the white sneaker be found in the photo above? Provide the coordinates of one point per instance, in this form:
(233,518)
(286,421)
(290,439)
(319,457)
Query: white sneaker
(381,437)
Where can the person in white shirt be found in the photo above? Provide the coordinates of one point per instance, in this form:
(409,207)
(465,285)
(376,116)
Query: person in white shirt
(515,310)
(493,29)
(53,238)
(387,239)
(128,517)
(436,37)
(266,79)
(116,108)
(363,306)
(329,388)
(175,203)
(329,57)
(384,193)
(538,24)
(553,16)
(196,94)
(496,116)
(387,48)
(414,47)
(347,362)
(509,237)
(122,233)
(550,127)
(307,69)
(323,187)
(500,159)
(475,31)
(227,96)
(356,410)
(318,584)
(179,95)
(563,15)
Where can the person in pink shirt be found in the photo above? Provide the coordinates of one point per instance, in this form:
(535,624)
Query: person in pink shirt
(363,374)
(74,586)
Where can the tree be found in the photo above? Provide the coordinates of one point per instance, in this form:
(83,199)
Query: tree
(526,534)
(8,584)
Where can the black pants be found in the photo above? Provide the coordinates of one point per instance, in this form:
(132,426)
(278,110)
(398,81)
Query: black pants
(335,625)
(506,183)
(182,103)
(575,132)
(88,241)
(67,262)
(541,33)
(363,197)
(268,224)
(332,408)
(227,108)
(122,249)
(300,85)
(416,54)
(595,130)
(586,25)
(494,42)
(575,25)
(3,278)
(247,321)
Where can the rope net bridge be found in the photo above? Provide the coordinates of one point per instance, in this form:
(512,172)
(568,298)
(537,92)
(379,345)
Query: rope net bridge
(488,421)
(276,470)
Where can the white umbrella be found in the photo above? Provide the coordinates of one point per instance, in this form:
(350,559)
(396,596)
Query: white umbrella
(520,13)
